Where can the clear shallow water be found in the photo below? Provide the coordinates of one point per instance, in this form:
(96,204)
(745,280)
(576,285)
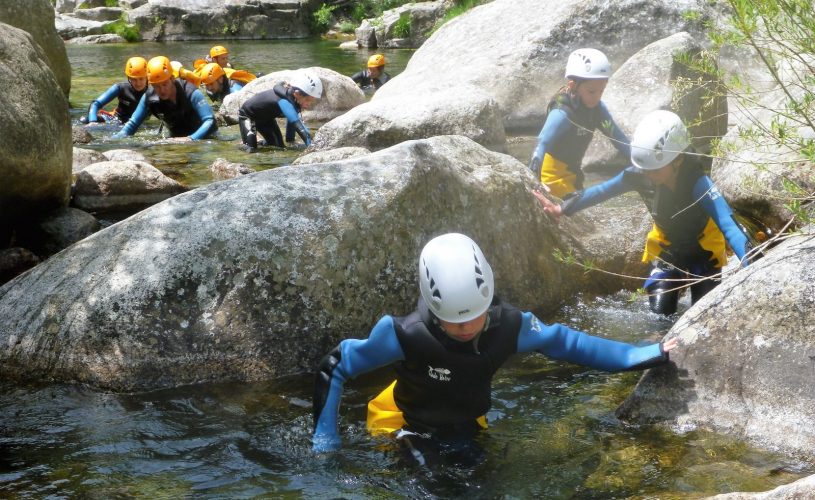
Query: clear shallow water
(552,434)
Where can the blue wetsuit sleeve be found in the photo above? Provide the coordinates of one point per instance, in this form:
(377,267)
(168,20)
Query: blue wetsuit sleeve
(556,126)
(135,120)
(610,128)
(596,194)
(234,86)
(381,348)
(718,209)
(99,102)
(204,112)
(293,120)
(562,343)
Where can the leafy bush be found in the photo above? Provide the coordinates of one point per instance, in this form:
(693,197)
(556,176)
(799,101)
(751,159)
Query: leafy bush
(401,29)
(348,27)
(322,18)
(127,31)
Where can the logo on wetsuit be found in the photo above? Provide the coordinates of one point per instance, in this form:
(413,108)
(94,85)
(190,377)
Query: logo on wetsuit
(441,374)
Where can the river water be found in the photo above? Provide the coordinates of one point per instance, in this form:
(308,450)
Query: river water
(553,433)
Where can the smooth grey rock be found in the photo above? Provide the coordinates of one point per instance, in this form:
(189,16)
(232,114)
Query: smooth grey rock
(15,261)
(224,169)
(121,185)
(745,361)
(99,14)
(59,230)
(73,27)
(257,276)
(35,141)
(80,135)
(330,155)
(803,489)
(340,94)
(378,32)
(124,155)
(84,157)
(96,39)
(37,18)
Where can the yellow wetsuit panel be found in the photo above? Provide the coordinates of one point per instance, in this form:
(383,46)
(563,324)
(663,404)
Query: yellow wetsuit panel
(385,417)
(556,175)
(711,240)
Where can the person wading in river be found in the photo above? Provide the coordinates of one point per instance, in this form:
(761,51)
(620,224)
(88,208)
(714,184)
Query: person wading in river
(447,351)
(129,94)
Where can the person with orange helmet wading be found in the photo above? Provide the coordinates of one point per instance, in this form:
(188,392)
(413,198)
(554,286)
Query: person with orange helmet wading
(572,116)
(220,82)
(129,94)
(374,76)
(176,102)
(218,54)
(260,112)
(692,220)
(447,351)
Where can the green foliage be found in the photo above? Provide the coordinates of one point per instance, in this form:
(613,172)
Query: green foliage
(129,32)
(348,27)
(111,3)
(401,29)
(321,19)
(460,7)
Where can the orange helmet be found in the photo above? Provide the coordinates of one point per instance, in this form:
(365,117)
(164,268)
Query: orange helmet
(210,72)
(136,67)
(159,70)
(218,50)
(376,61)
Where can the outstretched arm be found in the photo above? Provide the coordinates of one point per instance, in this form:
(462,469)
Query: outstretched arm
(99,102)
(718,209)
(205,113)
(293,120)
(135,120)
(562,343)
(350,358)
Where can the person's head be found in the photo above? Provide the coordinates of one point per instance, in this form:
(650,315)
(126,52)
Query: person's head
(136,72)
(211,76)
(307,88)
(456,283)
(160,77)
(376,65)
(219,54)
(657,144)
(587,74)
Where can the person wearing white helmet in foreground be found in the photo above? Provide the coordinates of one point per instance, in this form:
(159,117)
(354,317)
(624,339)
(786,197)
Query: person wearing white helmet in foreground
(260,112)
(572,116)
(692,220)
(447,351)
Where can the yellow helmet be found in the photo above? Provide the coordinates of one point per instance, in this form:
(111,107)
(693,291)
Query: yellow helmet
(210,73)
(218,50)
(159,70)
(136,67)
(376,61)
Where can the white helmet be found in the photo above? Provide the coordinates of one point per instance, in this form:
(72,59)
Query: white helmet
(658,139)
(307,83)
(455,279)
(589,64)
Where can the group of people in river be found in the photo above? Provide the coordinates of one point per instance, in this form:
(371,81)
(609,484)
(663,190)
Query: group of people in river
(172,93)
(447,350)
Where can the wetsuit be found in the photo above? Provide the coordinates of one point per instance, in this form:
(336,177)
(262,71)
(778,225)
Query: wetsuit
(227,87)
(189,116)
(128,101)
(443,385)
(260,112)
(564,138)
(691,224)
(364,81)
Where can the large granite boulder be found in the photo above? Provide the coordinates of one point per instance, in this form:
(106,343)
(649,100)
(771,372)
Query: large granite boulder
(745,361)
(37,18)
(799,490)
(340,94)
(122,185)
(258,276)
(382,32)
(661,76)
(35,141)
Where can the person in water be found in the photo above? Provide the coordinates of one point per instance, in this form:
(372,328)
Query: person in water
(128,92)
(220,82)
(447,351)
(260,112)
(692,220)
(374,75)
(218,54)
(572,116)
(178,103)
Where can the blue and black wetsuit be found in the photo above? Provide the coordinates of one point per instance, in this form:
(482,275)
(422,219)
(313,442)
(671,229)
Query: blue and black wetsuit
(364,81)
(189,116)
(260,112)
(443,385)
(564,138)
(691,224)
(227,87)
(128,101)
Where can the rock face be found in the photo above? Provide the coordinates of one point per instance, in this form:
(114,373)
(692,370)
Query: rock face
(37,18)
(659,77)
(259,276)
(799,490)
(745,361)
(36,132)
(382,32)
(505,74)
(122,185)
(216,19)
(340,94)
